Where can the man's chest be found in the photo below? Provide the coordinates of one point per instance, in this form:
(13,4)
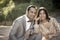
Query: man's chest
(28,24)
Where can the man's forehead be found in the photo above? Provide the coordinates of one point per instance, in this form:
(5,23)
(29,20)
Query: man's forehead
(32,9)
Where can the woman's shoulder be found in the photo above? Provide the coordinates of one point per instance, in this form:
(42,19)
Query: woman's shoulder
(52,18)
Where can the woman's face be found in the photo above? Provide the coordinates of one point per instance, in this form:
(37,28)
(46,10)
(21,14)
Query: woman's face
(42,15)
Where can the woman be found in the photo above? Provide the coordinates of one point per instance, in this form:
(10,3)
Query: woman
(45,24)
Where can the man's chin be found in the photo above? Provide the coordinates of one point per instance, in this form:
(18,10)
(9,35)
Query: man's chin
(32,19)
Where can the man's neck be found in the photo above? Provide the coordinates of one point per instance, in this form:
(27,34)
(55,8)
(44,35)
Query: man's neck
(29,18)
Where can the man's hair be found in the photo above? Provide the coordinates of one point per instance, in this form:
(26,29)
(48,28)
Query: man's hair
(31,7)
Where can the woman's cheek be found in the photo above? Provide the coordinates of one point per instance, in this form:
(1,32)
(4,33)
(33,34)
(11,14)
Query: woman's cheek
(42,17)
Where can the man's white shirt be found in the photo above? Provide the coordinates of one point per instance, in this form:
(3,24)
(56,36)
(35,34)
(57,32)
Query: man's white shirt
(27,23)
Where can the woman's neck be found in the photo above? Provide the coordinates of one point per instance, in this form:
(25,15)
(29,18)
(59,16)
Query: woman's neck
(44,21)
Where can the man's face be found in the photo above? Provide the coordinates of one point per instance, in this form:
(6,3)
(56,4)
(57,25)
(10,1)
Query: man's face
(31,13)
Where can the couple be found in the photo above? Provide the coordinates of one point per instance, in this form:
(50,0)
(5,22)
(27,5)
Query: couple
(34,25)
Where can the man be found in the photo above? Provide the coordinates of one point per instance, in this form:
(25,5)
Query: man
(22,24)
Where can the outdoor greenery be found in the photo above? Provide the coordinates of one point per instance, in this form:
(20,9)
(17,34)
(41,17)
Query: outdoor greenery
(11,9)
(18,11)
(45,3)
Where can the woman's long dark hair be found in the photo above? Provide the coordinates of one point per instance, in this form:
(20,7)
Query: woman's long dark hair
(47,16)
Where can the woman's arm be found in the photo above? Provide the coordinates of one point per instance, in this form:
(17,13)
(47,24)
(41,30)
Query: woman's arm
(56,24)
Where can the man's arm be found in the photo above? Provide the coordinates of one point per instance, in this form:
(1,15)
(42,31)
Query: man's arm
(13,34)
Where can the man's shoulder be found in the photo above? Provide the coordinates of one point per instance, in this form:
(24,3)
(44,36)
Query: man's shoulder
(20,18)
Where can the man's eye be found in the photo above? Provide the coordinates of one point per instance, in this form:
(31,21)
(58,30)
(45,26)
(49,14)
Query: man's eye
(31,12)
(35,12)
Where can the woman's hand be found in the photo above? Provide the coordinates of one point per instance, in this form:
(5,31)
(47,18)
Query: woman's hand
(36,28)
(53,32)
(36,20)
(36,25)
(44,38)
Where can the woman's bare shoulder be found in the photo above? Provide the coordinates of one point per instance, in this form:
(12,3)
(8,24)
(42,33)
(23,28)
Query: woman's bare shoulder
(52,18)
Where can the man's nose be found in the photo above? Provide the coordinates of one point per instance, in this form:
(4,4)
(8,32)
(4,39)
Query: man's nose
(33,14)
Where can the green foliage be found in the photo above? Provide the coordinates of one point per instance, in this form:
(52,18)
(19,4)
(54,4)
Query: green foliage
(2,18)
(45,3)
(5,7)
(4,3)
(21,1)
(17,11)
(10,13)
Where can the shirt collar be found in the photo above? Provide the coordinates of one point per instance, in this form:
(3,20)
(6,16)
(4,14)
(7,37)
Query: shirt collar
(27,19)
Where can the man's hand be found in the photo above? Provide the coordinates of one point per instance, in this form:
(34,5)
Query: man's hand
(26,36)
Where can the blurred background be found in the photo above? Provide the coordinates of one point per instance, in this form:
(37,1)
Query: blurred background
(11,9)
